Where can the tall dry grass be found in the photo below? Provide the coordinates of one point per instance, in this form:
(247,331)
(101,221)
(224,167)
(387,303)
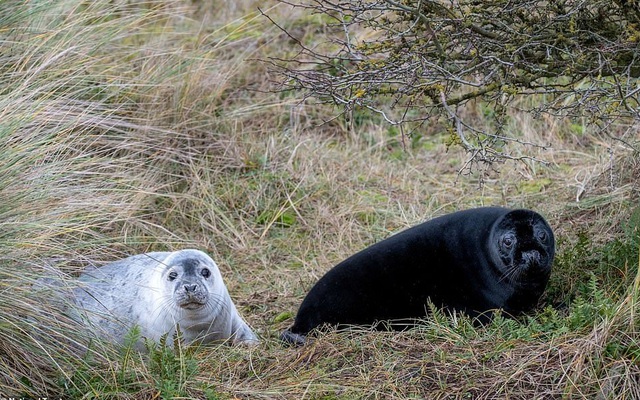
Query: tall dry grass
(134,126)
(107,107)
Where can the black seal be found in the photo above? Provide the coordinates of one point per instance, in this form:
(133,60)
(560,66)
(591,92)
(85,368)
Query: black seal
(471,261)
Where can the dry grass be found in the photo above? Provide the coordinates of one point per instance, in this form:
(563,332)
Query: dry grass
(136,126)
(442,361)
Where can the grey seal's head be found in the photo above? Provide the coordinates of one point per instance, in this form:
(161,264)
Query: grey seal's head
(196,298)
(194,281)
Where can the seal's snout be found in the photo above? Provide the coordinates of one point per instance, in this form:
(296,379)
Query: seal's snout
(531,259)
(191,296)
(190,288)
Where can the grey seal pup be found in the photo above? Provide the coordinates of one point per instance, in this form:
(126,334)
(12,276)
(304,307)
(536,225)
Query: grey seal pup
(472,261)
(157,292)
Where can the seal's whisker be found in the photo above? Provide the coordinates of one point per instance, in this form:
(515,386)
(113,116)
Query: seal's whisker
(511,274)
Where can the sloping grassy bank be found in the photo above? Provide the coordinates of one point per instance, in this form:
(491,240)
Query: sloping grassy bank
(135,126)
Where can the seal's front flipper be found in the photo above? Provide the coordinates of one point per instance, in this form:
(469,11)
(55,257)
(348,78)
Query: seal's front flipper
(293,339)
(243,335)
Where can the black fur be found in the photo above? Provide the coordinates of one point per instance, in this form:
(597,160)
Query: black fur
(471,261)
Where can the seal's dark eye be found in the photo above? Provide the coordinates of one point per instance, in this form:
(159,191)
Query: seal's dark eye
(173,275)
(508,241)
(542,236)
(205,272)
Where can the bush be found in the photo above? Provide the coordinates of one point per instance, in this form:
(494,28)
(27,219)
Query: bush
(419,63)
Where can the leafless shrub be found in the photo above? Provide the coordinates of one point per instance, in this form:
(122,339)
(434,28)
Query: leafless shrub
(420,62)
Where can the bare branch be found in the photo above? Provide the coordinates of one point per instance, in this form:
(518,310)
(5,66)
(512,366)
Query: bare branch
(429,58)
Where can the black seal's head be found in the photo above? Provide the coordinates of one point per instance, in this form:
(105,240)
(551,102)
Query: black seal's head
(526,246)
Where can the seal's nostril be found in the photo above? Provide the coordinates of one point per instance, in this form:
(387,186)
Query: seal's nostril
(190,288)
(531,257)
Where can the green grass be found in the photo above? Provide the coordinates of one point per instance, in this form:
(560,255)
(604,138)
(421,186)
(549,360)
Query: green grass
(136,126)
